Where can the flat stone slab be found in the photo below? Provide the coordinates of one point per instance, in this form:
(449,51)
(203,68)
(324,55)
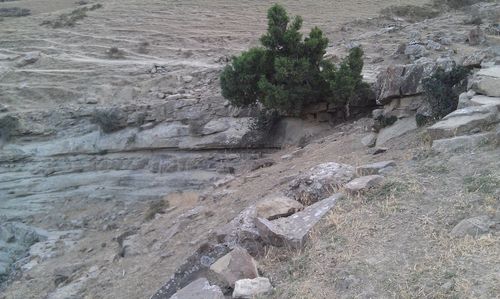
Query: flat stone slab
(474,226)
(293,231)
(199,288)
(487,81)
(195,266)
(363,183)
(464,143)
(485,100)
(276,207)
(252,288)
(399,128)
(462,121)
(374,168)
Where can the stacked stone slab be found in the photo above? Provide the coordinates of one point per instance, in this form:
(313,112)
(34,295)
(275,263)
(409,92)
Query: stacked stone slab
(476,123)
(399,95)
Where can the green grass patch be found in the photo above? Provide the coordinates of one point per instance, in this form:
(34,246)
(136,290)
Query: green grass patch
(485,182)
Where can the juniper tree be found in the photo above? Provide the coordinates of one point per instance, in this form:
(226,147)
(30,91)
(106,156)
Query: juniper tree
(289,72)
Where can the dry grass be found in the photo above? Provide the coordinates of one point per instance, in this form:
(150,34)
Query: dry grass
(394,241)
(71,19)
(155,207)
(412,13)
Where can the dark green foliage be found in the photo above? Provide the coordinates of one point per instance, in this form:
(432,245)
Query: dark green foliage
(156,207)
(109,120)
(422,119)
(265,121)
(115,53)
(443,88)
(289,71)
(240,79)
(70,19)
(8,125)
(384,121)
(345,81)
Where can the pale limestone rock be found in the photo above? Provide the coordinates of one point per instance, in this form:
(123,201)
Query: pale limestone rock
(251,288)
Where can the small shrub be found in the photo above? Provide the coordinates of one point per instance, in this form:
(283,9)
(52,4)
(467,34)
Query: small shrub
(8,125)
(109,120)
(70,19)
(422,119)
(289,72)
(115,53)
(265,121)
(155,207)
(443,88)
(412,13)
(384,121)
(455,4)
(143,48)
(14,12)
(474,21)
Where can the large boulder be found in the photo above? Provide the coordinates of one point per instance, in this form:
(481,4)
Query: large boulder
(252,288)
(399,128)
(465,143)
(487,81)
(199,288)
(235,265)
(293,231)
(480,100)
(462,121)
(402,80)
(319,182)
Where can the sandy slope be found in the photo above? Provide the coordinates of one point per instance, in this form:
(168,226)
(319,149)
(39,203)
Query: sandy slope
(185,36)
